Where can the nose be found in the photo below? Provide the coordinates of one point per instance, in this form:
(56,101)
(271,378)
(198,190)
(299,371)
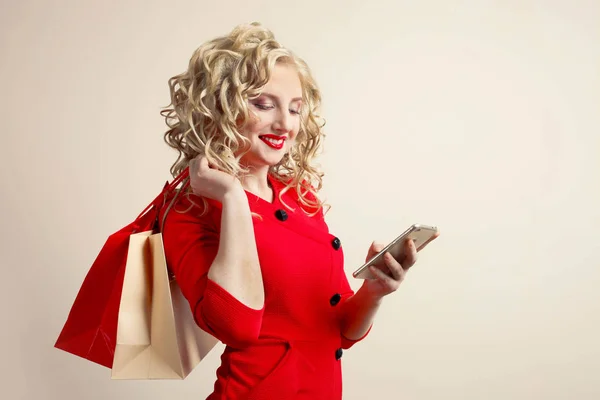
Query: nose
(283,122)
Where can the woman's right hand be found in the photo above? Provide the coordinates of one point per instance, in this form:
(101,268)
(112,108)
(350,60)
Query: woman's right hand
(210,182)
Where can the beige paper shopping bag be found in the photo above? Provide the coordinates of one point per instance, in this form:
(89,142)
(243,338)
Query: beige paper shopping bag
(157,337)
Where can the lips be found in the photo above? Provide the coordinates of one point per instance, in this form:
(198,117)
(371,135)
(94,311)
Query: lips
(273,141)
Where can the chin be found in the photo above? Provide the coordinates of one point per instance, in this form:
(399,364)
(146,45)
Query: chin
(271,158)
(272,162)
(261,157)
(262,161)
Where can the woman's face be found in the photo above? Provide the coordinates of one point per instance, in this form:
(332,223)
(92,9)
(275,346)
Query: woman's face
(273,132)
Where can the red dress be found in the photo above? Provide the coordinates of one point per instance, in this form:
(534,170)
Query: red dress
(291,349)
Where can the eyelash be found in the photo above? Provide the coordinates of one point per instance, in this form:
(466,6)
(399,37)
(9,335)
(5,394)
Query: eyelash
(265,107)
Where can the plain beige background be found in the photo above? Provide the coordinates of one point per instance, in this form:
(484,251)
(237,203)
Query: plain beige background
(481,117)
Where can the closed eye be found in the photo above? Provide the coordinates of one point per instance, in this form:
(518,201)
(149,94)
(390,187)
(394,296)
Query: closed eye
(263,106)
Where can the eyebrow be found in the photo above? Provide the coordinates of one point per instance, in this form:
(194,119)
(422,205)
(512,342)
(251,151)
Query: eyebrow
(273,97)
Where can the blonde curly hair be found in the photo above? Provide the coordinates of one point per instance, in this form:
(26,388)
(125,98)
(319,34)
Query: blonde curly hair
(209,107)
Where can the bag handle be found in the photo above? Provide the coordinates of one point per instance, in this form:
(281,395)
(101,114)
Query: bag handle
(168,187)
(186,183)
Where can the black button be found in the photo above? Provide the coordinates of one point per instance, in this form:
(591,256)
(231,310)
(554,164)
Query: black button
(335,299)
(281,215)
(336,243)
(338,353)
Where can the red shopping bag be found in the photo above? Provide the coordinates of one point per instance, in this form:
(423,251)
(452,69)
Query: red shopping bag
(90,330)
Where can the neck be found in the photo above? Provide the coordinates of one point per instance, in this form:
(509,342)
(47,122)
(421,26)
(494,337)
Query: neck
(257,182)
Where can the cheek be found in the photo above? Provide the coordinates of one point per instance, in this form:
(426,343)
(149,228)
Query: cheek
(294,133)
(253,127)
(258,128)
(251,133)
(291,142)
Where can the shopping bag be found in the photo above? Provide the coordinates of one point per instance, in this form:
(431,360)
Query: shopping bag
(157,337)
(90,330)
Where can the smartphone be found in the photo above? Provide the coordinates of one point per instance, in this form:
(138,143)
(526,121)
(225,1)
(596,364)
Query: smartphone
(420,234)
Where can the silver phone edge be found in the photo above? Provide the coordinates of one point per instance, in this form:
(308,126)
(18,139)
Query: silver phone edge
(407,232)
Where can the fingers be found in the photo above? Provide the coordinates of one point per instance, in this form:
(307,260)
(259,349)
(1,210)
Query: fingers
(396,270)
(199,165)
(410,254)
(387,280)
(374,249)
(204,166)
(193,165)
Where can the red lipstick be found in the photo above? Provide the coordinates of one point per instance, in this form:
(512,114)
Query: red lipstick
(274,141)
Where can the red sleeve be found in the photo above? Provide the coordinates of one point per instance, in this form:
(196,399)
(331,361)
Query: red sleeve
(191,243)
(347,292)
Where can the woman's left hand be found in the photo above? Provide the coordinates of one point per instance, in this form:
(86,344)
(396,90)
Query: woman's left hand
(389,276)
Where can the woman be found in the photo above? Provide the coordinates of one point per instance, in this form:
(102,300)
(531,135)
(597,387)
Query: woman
(248,243)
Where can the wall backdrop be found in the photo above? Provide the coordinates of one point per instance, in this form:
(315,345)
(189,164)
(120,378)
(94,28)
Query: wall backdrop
(481,117)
